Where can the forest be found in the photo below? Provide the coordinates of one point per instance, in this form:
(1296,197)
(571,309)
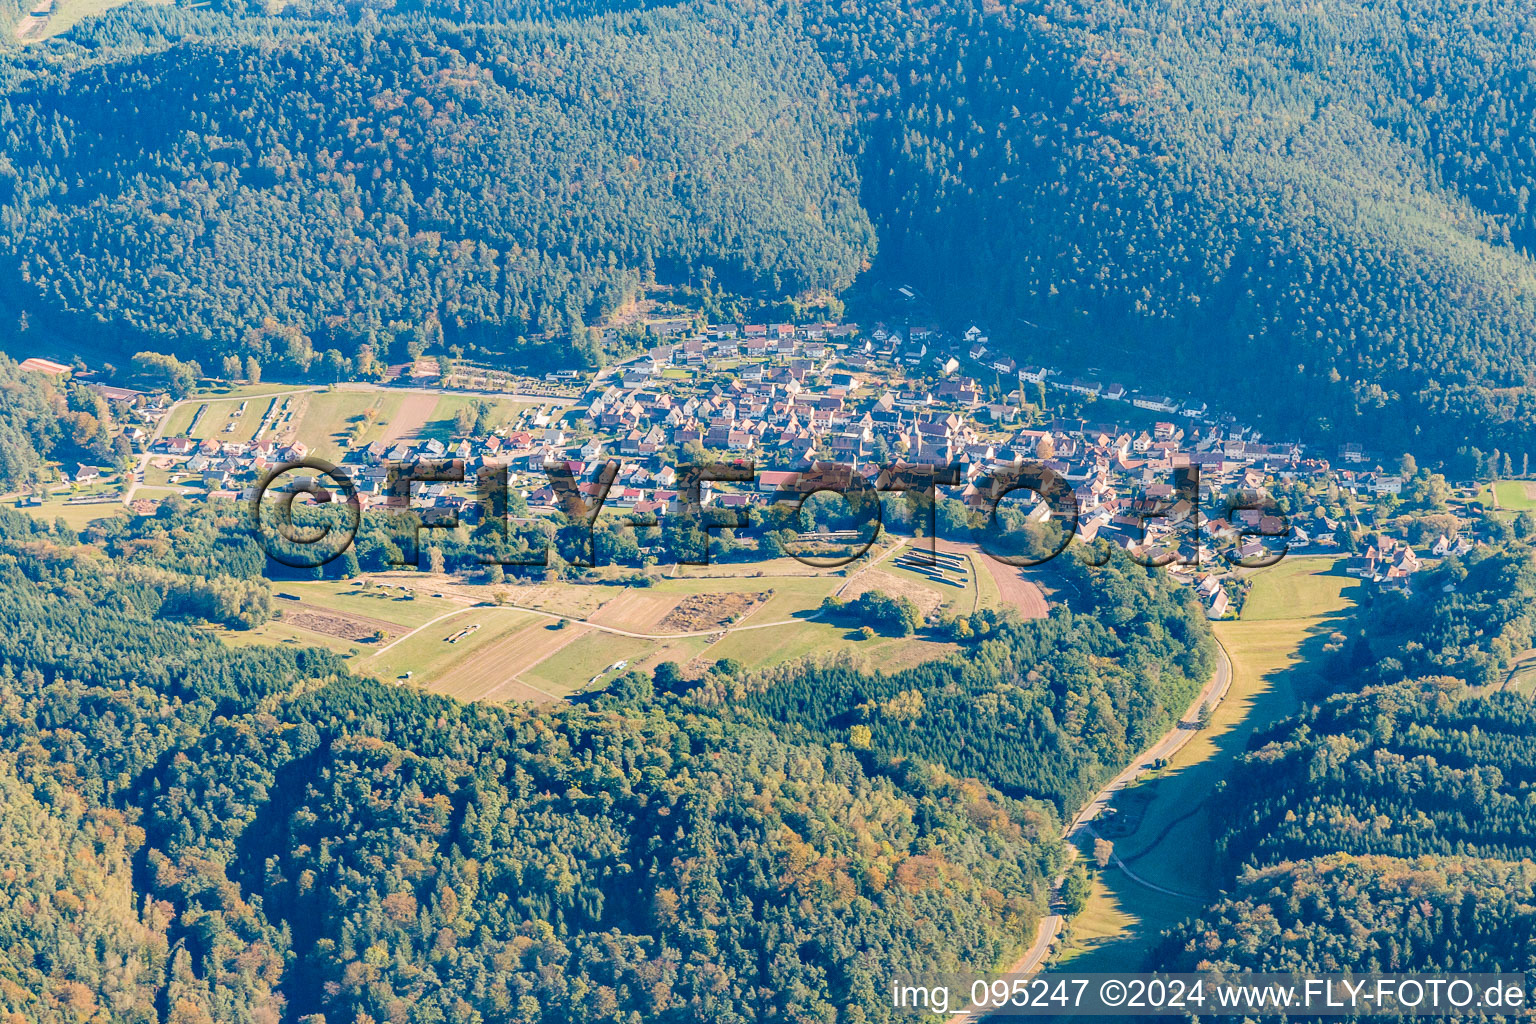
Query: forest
(255,834)
(1386,827)
(1317,215)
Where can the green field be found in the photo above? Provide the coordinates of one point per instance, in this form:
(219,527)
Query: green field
(427,654)
(440,424)
(328,417)
(591,654)
(67,13)
(375,602)
(1118,927)
(1522,674)
(1512,495)
(520,653)
(276,631)
(1274,663)
(220,419)
(1296,588)
(325,420)
(76,517)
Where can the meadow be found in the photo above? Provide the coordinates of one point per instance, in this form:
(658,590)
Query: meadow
(547,640)
(331,420)
(1275,649)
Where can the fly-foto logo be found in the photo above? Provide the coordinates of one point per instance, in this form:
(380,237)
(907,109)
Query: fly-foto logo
(1253,541)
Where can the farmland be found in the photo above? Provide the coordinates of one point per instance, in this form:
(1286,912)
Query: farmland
(546,640)
(225,419)
(1512,495)
(331,420)
(77,515)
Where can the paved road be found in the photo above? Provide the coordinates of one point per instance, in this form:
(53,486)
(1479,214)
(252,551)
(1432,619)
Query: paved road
(511,396)
(1170,743)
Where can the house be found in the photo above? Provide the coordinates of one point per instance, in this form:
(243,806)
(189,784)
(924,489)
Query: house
(86,474)
(47,366)
(1155,403)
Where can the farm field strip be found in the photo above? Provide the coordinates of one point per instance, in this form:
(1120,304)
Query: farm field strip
(383,604)
(495,665)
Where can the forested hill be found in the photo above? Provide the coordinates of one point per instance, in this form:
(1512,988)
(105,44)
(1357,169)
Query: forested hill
(192,176)
(1388,827)
(193,832)
(1304,208)
(1320,204)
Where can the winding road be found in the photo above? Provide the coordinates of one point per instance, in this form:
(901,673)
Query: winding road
(1170,743)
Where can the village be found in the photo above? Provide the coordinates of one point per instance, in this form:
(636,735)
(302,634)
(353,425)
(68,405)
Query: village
(788,396)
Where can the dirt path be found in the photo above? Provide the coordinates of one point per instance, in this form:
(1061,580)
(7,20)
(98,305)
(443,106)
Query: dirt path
(1011,584)
(32,25)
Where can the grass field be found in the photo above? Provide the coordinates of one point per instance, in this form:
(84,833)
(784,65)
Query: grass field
(324,420)
(1514,495)
(220,419)
(1295,588)
(67,13)
(440,424)
(751,614)
(1274,655)
(276,631)
(1118,927)
(76,517)
(1522,674)
(375,602)
(592,654)
(428,655)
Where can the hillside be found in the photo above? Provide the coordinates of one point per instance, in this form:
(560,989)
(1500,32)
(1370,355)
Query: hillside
(1386,826)
(1326,202)
(1313,207)
(283,187)
(305,841)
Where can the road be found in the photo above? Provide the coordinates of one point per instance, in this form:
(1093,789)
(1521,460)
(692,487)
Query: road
(1167,745)
(511,396)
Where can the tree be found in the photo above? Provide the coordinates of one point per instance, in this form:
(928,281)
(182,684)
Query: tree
(435,560)
(252,370)
(1103,850)
(1075,890)
(667,677)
